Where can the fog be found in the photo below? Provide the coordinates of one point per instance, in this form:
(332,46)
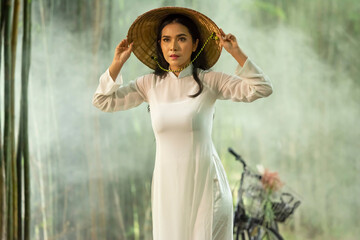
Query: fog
(88,166)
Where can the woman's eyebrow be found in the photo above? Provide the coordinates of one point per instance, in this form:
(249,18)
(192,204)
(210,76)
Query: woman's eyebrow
(179,35)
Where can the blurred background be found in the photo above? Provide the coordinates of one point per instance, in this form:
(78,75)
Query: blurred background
(91,171)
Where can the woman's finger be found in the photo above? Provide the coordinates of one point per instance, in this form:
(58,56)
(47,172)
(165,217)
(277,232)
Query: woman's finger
(124,43)
(119,44)
(228,36)
(131,46)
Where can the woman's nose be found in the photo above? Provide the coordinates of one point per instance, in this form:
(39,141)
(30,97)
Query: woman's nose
(174,46)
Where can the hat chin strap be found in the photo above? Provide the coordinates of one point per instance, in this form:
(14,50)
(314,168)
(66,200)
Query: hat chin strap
(212,36)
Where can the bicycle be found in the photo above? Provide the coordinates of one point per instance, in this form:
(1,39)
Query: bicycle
(249,222)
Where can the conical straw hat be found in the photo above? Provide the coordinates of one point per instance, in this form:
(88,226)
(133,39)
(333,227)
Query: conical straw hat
(144,29)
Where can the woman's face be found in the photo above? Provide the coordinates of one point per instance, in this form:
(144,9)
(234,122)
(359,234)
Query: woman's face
(177,45)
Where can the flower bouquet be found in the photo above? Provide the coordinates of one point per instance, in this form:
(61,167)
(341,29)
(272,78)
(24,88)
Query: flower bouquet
(263,197)
(271,185)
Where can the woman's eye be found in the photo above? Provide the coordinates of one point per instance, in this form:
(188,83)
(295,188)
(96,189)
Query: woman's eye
(165,39)
(183,39)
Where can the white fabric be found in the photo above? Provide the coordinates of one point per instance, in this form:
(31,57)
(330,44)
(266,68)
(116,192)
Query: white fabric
(190,195)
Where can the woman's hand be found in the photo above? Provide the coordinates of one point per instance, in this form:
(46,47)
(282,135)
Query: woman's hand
(229,42)
(122,52)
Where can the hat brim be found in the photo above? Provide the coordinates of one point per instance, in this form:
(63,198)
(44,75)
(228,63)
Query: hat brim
(144,29)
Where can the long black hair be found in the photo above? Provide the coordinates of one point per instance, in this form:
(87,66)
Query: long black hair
(200,62)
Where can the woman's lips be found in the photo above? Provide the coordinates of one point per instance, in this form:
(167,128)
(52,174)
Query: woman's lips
(173,56)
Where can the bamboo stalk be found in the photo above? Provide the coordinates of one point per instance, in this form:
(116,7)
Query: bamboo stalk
(19,175)
(140,181)
(109,28)
(119,214)
(2,191)
(15,171)
(25,68)
(8,120)
(3,204)
(2,197)
(50,106)
(1,17)
(97,185)
(42,197)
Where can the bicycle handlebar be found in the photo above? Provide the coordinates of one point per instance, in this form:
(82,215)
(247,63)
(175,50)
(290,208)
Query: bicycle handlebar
(237,157)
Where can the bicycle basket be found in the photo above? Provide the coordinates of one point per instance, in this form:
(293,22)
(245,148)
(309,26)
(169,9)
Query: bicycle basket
(253,195)
(284,206)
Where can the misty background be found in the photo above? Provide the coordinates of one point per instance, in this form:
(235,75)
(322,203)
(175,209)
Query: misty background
(91,171)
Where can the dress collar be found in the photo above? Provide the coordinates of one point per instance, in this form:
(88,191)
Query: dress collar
(184,73)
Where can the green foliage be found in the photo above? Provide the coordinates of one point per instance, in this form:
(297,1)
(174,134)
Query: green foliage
(270,10)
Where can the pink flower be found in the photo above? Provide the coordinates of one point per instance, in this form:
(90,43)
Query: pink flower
(271,181)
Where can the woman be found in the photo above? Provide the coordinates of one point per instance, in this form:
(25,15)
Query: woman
(191,197)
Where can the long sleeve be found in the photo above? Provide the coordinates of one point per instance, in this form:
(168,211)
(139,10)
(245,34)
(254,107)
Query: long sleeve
(248,84)
(111,96)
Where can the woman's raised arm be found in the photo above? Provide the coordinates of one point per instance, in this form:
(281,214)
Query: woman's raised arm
(249,82)
(111,95)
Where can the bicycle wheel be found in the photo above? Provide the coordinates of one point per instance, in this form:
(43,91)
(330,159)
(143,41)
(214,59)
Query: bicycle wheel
(260,232)
(239,234)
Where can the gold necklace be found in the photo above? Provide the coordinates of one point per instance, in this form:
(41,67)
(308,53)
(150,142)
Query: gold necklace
(212,36)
